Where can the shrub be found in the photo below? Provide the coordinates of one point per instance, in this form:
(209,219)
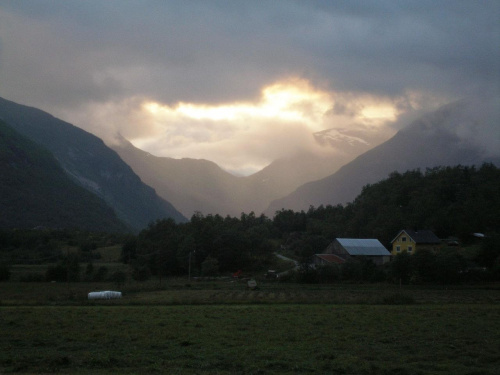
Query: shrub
(289,276)
(401,268)
(58,272)
(307,274)
(489,251)
(118,277)
(66,270)
(32,277)
(4,272)
(210,266)
(398,299)
(141,273)
(328,273)
(451,266)
(101,273)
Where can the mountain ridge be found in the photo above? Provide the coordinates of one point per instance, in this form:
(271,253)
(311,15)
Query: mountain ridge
(197,185)
(36,192)
(91,164)
(434,139)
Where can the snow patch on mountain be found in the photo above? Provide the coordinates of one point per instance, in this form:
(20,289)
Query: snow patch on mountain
(337,136)
(341,139)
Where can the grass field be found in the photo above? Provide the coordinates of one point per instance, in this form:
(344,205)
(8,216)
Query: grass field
(223,328)
(180,292)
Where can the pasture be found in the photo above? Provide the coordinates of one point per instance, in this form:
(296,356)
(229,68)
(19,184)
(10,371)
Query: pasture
(223,328)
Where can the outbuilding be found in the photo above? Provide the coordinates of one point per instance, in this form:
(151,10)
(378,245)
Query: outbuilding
(326,259)
(369,248)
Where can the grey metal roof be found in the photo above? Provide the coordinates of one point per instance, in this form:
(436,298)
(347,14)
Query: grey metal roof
(358,246)
(420,236)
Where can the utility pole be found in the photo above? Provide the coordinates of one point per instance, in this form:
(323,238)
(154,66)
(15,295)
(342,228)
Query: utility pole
(189,267)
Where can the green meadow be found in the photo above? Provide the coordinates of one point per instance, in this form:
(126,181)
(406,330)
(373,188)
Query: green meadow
(221,327)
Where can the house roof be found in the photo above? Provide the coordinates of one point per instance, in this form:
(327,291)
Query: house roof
(420,236)
(331,258)
(359,246)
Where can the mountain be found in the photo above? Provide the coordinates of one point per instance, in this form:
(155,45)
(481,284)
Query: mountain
(190,184)
(194,185)
(91,164)
(465,132)
(283,176)
(35,191)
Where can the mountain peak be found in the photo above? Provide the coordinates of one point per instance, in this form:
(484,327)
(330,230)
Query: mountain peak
(464,132)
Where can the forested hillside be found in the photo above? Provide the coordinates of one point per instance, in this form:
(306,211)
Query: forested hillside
(36,192)
(452,201)
(89,163)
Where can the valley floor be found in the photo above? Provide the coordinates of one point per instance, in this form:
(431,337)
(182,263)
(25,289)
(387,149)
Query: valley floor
(222,328)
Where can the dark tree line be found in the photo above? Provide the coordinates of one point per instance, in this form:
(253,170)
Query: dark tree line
(38,246)
(451,201)
(166,248)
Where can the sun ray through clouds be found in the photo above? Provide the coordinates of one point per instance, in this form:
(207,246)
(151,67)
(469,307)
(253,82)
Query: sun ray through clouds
(286,113)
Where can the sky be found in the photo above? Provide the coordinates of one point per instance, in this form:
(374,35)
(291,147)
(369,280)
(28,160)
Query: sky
(243,83)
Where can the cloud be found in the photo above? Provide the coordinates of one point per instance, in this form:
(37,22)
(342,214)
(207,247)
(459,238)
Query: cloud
(475,121)
(212,52)
(97,63)
(240,136)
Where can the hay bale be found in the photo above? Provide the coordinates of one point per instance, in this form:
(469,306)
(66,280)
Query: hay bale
(106,294)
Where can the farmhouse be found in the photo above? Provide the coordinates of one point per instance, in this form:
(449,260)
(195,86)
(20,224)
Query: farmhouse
(346,248)
(410,241)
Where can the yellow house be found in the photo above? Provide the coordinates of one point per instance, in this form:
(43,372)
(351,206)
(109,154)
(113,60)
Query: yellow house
(410,241)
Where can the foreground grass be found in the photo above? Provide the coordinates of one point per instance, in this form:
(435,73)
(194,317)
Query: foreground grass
(251,339)
(224,328)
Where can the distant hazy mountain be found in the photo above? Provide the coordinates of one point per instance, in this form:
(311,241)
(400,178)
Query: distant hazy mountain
(36,192)
(91,164)
(465,132)
(199,185)
(190,184)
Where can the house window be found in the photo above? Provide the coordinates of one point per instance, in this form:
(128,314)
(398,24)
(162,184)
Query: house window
(410,249)
(398,249)
(403,239)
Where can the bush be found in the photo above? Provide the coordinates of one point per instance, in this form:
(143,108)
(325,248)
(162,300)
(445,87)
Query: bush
(398,299)
(66,270)
(401,268)
(141,273)
(58,273)
(451,266)
(118,277)
(329,273)
(32,278)
(101,274)
(4,272)
(307,274)
(210,266)
(289,276)
(489,251)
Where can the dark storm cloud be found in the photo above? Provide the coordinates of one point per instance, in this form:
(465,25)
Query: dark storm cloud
(215,51)
(98,63)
